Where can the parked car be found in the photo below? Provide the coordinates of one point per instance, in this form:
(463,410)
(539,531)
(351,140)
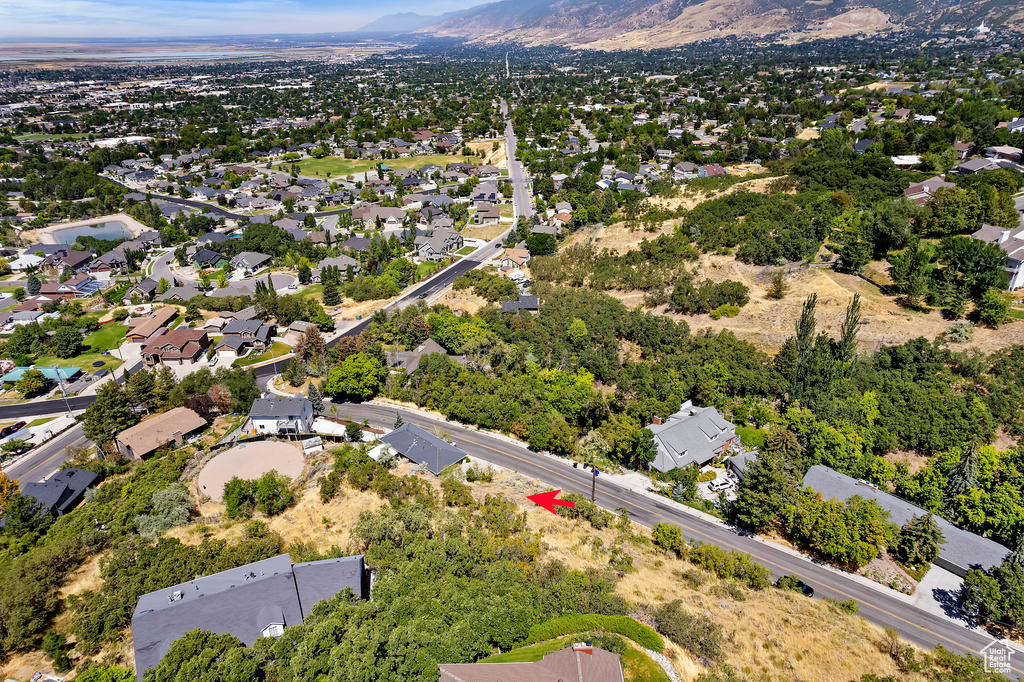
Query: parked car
(13,428)
(293,286)
(719,484)
(788,582)
(213,360)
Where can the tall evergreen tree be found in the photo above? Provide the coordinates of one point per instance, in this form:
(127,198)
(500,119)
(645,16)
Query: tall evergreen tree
(963,477)
(768,487)
(805,328)
(109,415)
(919,541)
(846,351)
(316,399)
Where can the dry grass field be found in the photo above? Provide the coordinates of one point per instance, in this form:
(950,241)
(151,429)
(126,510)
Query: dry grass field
(769,635)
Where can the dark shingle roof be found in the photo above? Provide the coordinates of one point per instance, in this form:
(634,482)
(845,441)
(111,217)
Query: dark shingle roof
(416,444)
(319,580)
(62,492)
(960,551)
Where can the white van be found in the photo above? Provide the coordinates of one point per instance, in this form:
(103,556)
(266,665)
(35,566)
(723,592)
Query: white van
(719,484)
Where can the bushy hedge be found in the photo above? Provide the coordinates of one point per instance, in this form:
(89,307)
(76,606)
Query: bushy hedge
(623,625)
(727,564)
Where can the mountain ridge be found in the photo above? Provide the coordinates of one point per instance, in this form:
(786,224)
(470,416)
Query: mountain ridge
(629,24)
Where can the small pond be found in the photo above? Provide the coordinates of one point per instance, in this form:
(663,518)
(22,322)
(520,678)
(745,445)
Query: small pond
(110,230)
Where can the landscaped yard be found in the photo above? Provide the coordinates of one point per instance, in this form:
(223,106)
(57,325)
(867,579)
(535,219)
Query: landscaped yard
(340,167)
(276,351)
(107,337)
(466,250)
(36,137)
(636,665)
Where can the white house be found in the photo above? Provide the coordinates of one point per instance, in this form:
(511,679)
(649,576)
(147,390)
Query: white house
(281,415)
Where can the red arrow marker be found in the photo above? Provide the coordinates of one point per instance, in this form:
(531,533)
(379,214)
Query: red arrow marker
(548,501)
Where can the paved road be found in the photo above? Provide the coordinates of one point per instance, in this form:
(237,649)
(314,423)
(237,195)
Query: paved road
(45,459)
(521,202)
(429,287)
(914,624)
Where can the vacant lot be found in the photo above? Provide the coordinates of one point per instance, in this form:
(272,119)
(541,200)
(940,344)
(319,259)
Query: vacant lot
(767,323)
(337,167)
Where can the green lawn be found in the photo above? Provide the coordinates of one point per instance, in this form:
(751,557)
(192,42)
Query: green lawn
(105,338)
(636,665)
(466,250)
(276,351)
(424,270)
(316,290)
(340,167)
(37,137)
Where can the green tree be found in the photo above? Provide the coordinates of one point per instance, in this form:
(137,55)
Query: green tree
(353,433)
(304,272)
(577,333)
(32,382)
(778,286)
(273,493)
(398,420)
(768,488)
(993,308)
(56,647)
(963,477)
(359,377)
(66,342)
(162,286)
(645,449)
(316,399)
(907,269)
(919,541)
(141,389)
(33,284)
(192,312)
(108,415)
(24,514)
(19,294)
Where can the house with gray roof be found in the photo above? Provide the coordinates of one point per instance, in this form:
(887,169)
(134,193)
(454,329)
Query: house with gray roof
(250,260)
(281,415)
(63,491)
(342,263)
(693,435)
(256,600)
(526,302)
(420,446)
(962,550)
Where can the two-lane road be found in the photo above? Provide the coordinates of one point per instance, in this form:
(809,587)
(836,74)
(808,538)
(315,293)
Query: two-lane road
(916,625)
(521,202)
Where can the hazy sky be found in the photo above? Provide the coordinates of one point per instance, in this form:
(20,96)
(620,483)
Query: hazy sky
(171,18)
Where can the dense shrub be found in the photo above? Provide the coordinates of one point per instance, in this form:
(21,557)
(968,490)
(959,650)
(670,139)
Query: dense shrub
(623,625)
(695,633)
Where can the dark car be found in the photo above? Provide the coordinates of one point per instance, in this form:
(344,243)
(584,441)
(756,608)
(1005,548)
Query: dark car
(13,428)
(422,296)
(788,582)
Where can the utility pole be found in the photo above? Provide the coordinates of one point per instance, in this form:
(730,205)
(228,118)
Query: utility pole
(60,384)
(593,484)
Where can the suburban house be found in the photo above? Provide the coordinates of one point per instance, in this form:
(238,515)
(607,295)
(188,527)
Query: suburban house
(693,435)
(250,260)
(514,258)
(146,290)
(581,661)
(422,447)
(63,491)
(440,244)
(242,335)
(410,360)
(256,600)
(140,329)
(921,192)
(528,302)
(487,214)
(368,215)
(111,261)
(281,415)
(206,258)
(1012,243)
(146,437)
(76,261)
(79,286)
(182,293)
(488,172)
(342,262)
(961,550)
(176,347)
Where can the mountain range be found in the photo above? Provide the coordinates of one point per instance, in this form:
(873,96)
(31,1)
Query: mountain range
(629,24)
